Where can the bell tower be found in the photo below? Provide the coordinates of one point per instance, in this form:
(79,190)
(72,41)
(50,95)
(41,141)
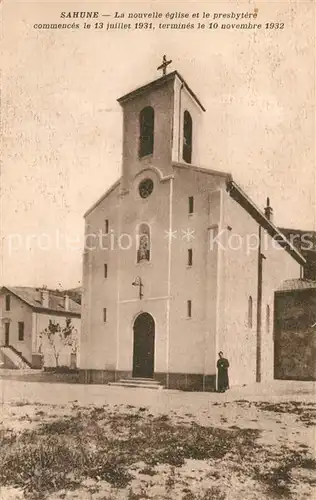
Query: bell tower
(161,123)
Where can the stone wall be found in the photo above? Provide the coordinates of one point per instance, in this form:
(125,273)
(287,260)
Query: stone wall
(295,335)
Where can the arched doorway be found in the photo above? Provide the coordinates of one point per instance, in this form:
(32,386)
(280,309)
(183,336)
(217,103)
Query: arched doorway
(144,346)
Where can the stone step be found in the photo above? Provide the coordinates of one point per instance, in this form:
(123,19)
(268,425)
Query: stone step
(12,359)
(140,380)
(138,383)
(137,386)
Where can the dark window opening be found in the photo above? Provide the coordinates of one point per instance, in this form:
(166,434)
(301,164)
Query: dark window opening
(189,308)
(268,319)
(146,131)
(187,137)
(190,257)
(191,204)
(145,188)
(105,270)
(21,330)
(250,312)
(106,226)
(7,302)
(7,334)
(104,315)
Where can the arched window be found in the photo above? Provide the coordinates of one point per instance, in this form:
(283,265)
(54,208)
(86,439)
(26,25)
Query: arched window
(268,319)
(146,131)
(143,251)
(250,321)
(187,137)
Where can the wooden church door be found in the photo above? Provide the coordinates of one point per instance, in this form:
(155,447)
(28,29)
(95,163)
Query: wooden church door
(144,346)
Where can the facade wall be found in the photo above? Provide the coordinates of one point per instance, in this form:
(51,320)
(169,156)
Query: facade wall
(19,311)
(41,321)
(134,211)
(238,339)
(165,295)
(223,276)
(239,270)
(189,337)
(98,338)
(295,339)
(107,345)
(214,278)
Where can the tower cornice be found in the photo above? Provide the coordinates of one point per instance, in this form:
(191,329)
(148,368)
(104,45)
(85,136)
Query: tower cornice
(158,83)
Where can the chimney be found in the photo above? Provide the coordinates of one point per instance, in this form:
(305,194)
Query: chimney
(268,211)
(45,297)
(66,304)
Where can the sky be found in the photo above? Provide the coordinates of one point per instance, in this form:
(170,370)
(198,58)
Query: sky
(62,125)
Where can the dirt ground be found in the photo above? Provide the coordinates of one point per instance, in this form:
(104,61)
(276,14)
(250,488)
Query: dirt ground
(106,443)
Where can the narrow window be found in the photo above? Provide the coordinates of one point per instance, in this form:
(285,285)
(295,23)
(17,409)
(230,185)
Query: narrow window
(189,308)
(105,270)
(146,131)
(7,302)
(191,204)
(143,252)
(7,334)
(190,257)
(250,312)
(106,226)
(104,315)
(268,319)
(187,137)
(21,330)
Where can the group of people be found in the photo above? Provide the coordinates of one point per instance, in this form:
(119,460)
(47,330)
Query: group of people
(222,373)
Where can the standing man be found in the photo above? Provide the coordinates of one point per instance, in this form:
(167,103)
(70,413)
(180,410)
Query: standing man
(222,373)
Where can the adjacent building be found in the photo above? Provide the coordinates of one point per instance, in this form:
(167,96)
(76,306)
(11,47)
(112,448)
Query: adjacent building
(25,313)
(295,330)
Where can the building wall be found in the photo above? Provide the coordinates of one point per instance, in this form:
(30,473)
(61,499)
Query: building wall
(295,338)
(41,322)
(278,266)
(165,296)
(237,336)
(128,312)
(189,337)
(219,283)
(153,211)
(107,345)
(238,340)
(168,283)
(19,311)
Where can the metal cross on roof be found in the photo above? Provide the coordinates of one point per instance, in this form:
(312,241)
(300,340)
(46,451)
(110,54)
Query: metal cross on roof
(164,65)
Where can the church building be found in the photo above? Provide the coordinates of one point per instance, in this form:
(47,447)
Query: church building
(179,262)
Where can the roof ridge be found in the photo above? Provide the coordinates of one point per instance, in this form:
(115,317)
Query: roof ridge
(75,309)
